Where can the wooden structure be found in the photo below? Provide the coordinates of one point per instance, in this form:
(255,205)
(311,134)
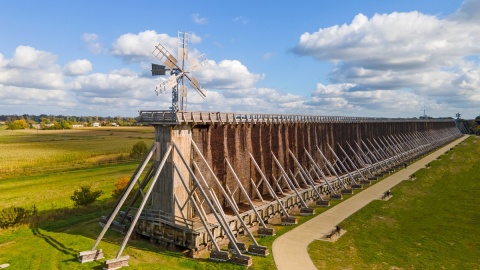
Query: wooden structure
(211,177)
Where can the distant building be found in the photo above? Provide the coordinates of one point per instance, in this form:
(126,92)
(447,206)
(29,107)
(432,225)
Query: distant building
(2,123)
(114,124)
(95,124)
(77,126)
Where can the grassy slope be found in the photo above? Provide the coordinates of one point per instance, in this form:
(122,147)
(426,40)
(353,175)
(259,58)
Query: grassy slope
(430,223)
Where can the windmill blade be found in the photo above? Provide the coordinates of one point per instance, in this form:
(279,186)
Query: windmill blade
(197,62)
(182,44)
(196,85)
(163,55)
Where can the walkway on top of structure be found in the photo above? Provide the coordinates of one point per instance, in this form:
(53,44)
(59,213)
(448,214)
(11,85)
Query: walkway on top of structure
(290,249)
(185,117)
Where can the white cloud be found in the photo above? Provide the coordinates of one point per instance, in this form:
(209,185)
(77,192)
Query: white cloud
(26,57)
(31,68)
(403,58)
(91,41)
(227,74)
(78,67)
(198,19)
(139,47)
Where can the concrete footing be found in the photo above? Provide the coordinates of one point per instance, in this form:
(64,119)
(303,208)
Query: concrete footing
(357,186)
(365,182)
(323,203)
(289,220)
(347,191)
(372,179)
(116,263)
(258,250)
(336,197)
(219,256)
(241,260)
(307,211)
(90,255)
(262,232)
(241,246)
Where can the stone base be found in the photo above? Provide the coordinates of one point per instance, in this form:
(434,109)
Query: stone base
(241,246)
(258,250)
(90,255)
(365,182)
(262,232)
(307,211)
(336,196)
(323,203)
(372,179)
(357,186)
(219,256)
(379,175)
(241,260)
(289,220)
(347,191)
(116,263)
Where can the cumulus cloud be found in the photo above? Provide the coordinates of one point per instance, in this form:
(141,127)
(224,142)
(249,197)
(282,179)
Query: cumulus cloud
(138,47)
(31,68)
(78,67)
(401,57)
(227,74)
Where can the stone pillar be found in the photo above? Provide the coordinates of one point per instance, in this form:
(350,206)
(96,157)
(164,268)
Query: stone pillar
(169,183)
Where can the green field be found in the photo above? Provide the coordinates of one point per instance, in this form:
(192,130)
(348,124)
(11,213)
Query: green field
(376,235)
(430,223)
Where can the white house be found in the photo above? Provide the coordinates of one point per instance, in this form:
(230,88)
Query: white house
(95,124)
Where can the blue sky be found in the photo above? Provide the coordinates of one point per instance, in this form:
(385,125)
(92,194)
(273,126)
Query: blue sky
(353,58)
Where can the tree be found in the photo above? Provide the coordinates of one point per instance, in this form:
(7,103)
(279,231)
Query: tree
(85,196)
(138,150)
(17,124)
(119,187)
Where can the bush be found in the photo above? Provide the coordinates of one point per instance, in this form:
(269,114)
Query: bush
(138,150)
(119,187)
(85,196)
(13,215)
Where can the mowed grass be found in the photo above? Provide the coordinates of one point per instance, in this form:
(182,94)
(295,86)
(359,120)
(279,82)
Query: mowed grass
(430,223)
(27,151)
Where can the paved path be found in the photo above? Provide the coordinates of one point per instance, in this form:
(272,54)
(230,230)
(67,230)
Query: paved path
(290,249)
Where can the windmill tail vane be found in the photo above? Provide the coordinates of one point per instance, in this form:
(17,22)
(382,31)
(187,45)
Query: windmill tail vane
(180,70)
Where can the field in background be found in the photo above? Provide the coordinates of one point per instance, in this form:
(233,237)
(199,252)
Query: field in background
(31,151)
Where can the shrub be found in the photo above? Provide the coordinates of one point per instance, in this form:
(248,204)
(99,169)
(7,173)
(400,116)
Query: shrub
(119,187)
(13,215)
(85,196)
(138,150)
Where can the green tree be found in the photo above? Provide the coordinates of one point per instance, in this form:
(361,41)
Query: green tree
(17,124)
(138,150)
(85,196)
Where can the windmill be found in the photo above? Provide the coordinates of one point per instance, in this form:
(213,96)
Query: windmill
(180,71)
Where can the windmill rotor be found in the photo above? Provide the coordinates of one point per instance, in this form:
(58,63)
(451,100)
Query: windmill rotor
(180,70)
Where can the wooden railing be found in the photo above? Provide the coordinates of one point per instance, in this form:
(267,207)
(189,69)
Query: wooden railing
(169,117)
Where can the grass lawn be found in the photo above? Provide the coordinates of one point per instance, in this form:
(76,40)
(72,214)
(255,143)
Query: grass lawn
(430,223)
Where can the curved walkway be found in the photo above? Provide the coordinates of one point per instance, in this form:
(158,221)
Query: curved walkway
(290,250)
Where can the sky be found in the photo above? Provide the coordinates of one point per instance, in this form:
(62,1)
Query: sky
(374,58)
